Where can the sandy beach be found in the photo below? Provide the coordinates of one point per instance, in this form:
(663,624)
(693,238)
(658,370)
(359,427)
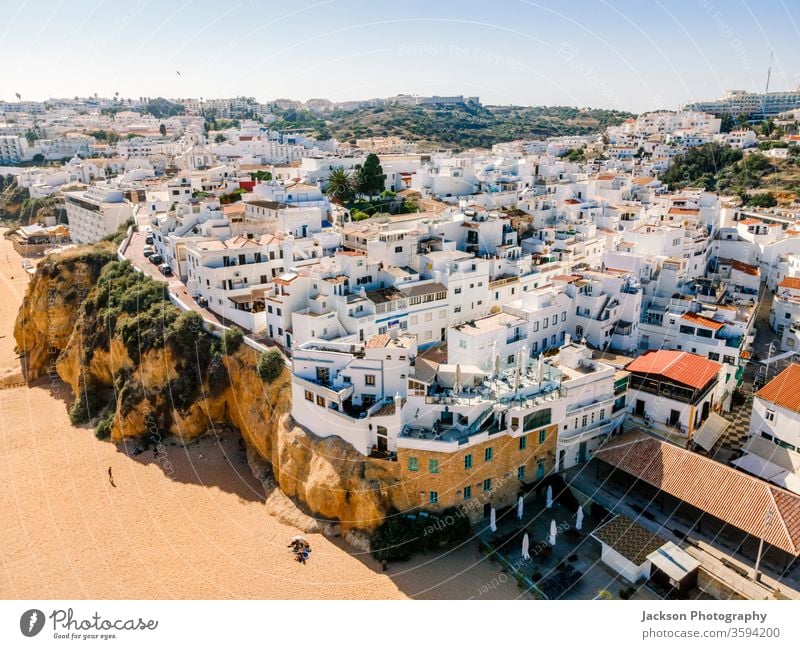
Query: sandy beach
(189,525)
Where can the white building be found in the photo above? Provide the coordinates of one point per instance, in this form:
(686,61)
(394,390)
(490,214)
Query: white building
(96,212)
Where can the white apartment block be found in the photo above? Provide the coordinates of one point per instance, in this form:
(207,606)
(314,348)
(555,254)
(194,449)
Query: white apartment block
(96,212)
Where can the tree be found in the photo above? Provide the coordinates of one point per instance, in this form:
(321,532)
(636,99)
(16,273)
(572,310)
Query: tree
(163,130)
(219,138)
(767,199)
(726,123)
(370,179)
(30,136)
(270,365)
(38,159)
(340,184)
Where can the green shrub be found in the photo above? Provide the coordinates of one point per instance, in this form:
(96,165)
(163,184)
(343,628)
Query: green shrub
(270,365)
(399,536)
(230,340)
(103,428)
(87,404)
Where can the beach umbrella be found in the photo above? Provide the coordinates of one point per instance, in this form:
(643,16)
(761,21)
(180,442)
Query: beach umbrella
(520,506)
(525,547)
(539,369)
(493,520)
(549,497)
(579,518)
(553,533)
(497,365)
(457,384)
(299,537)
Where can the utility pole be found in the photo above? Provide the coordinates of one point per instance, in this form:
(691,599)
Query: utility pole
(767,522)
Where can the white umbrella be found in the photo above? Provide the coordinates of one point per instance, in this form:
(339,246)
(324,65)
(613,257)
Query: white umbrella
(457,384)
(520,506)
(549,497)
(553,532)
(539,369)
(579,518)
(299,537)
(493,520)
(525,547)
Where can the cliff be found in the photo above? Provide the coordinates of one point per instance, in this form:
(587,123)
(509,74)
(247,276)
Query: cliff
(136,363)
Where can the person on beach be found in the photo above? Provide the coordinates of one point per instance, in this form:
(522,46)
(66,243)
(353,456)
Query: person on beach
(111,477)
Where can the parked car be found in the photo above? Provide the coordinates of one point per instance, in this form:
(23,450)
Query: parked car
(165,269)
(149,239)
(156,259)
(148,250)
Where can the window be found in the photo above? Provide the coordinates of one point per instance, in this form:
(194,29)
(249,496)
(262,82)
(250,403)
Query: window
(510,359)
(468,461)
(539,469)
(309,395)
(770,415)
(553,339)
(536,326)
(488,453)
(536,419)
(584,420)
(467,492)
(369,379)
(544,323)
(434,498)
(487,485)
(413,463)
(563,316)
(713,356)
(730,360)
(433,466)
(458,290)
(457,309)
(554,320)
(523,442)
(602,414)
(320,400)
(398,248)
(542,436)
(521,472)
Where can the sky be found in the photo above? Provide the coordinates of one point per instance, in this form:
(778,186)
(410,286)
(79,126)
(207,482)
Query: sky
(631,55)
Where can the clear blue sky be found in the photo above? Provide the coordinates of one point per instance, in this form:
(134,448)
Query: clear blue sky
(634,55)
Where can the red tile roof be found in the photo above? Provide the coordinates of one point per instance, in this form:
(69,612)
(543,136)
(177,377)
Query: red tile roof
(784,389)
(750,221)
(702,320)
(790,282)
(683,210)
(725,493)
(681,367)
(745,268)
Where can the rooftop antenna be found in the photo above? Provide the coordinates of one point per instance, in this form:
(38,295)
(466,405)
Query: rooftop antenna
(769,72)
(766,87)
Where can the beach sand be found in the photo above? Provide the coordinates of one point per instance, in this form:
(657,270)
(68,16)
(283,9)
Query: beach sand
(191,524)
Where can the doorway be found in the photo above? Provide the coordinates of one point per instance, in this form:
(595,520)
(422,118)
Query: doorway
(639,410)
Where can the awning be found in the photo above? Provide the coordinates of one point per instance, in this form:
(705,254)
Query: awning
(673,561)
(711,430)
(769,471)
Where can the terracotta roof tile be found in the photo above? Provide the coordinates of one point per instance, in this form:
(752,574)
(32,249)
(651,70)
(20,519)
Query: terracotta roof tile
(784,389)
(723,492)
(702,320)
(682,367)
(790,282)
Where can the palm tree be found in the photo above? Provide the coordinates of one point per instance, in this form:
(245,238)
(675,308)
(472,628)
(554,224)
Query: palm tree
(341,184)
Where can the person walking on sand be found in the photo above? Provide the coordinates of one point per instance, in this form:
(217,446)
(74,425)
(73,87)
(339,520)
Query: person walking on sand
(111,477)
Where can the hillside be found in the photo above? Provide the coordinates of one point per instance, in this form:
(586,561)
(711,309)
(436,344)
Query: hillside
(456,127)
